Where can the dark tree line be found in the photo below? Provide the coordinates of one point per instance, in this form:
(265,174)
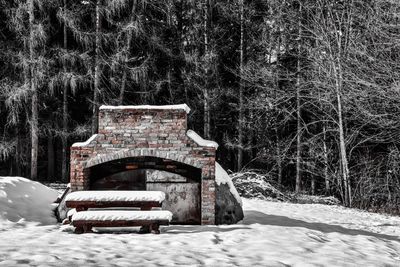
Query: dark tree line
(307,92)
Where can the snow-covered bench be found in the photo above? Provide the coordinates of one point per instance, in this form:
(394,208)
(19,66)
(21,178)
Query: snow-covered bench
(150,220)
(83,200)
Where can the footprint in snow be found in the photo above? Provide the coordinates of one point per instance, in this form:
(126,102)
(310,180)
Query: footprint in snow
(317,237)
(217,239)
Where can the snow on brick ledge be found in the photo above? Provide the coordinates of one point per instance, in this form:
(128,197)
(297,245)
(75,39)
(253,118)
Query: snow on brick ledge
(150,107)
(87,142)
(156,196)
(200,141)
(122,215)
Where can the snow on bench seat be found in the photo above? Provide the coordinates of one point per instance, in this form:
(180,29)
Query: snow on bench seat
(122,215)
(117,196)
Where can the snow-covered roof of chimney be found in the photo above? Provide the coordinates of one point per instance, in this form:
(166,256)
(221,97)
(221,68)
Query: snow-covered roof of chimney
(149,107)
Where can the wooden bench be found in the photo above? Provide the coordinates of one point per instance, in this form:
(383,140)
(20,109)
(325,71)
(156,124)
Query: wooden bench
(149,220)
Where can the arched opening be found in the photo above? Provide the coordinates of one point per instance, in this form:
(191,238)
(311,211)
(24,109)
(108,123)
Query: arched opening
(180,182)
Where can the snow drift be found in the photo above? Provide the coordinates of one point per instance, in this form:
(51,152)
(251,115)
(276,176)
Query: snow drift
(25,200)
(250,184)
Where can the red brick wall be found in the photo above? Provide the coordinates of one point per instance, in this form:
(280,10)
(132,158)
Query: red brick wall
(161,133)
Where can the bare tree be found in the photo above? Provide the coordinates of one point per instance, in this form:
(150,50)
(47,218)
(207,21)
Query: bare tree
(241,88)
(298,100)
(34,104)
(97,69)
(207,58)
(64,136)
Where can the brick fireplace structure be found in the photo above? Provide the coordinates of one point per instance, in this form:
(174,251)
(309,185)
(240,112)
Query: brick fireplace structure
(149,141)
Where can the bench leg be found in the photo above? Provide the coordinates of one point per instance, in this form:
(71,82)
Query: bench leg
(78,230)
(155,228)
(145,229)
(87,229)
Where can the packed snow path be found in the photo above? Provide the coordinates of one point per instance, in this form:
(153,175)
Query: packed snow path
(272,234)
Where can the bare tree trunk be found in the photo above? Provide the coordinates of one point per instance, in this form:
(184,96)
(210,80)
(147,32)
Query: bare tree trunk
(241,89)
(346,171)
(122,91)
(18,153)
(342,144)
(338,73)
(206,114)
(34,103)
(324,142)
(278,156)
(11,169)
(205,27)
(326,177)
(96,90)
(276,85)
(64,137)
(170,67)
(251,135)
(205,90)
(169,76)
(50,158)
(180,44)
(34,132)
(298,106)
(124,74)
(312,185)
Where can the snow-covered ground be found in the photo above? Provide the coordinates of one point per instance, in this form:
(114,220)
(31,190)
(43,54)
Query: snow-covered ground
(272,234)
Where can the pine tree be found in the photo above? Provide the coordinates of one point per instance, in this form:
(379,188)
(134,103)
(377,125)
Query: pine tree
(26,21)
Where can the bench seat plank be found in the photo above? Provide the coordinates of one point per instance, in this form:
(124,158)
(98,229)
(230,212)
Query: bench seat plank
(118,223)
(117,196)
(112,204)
(122,215)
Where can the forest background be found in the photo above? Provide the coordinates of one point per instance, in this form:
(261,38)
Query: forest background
(307,93)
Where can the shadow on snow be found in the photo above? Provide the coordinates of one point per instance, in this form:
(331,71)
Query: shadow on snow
(252,217)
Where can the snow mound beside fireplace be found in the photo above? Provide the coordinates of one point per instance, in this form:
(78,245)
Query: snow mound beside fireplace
(25,200)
